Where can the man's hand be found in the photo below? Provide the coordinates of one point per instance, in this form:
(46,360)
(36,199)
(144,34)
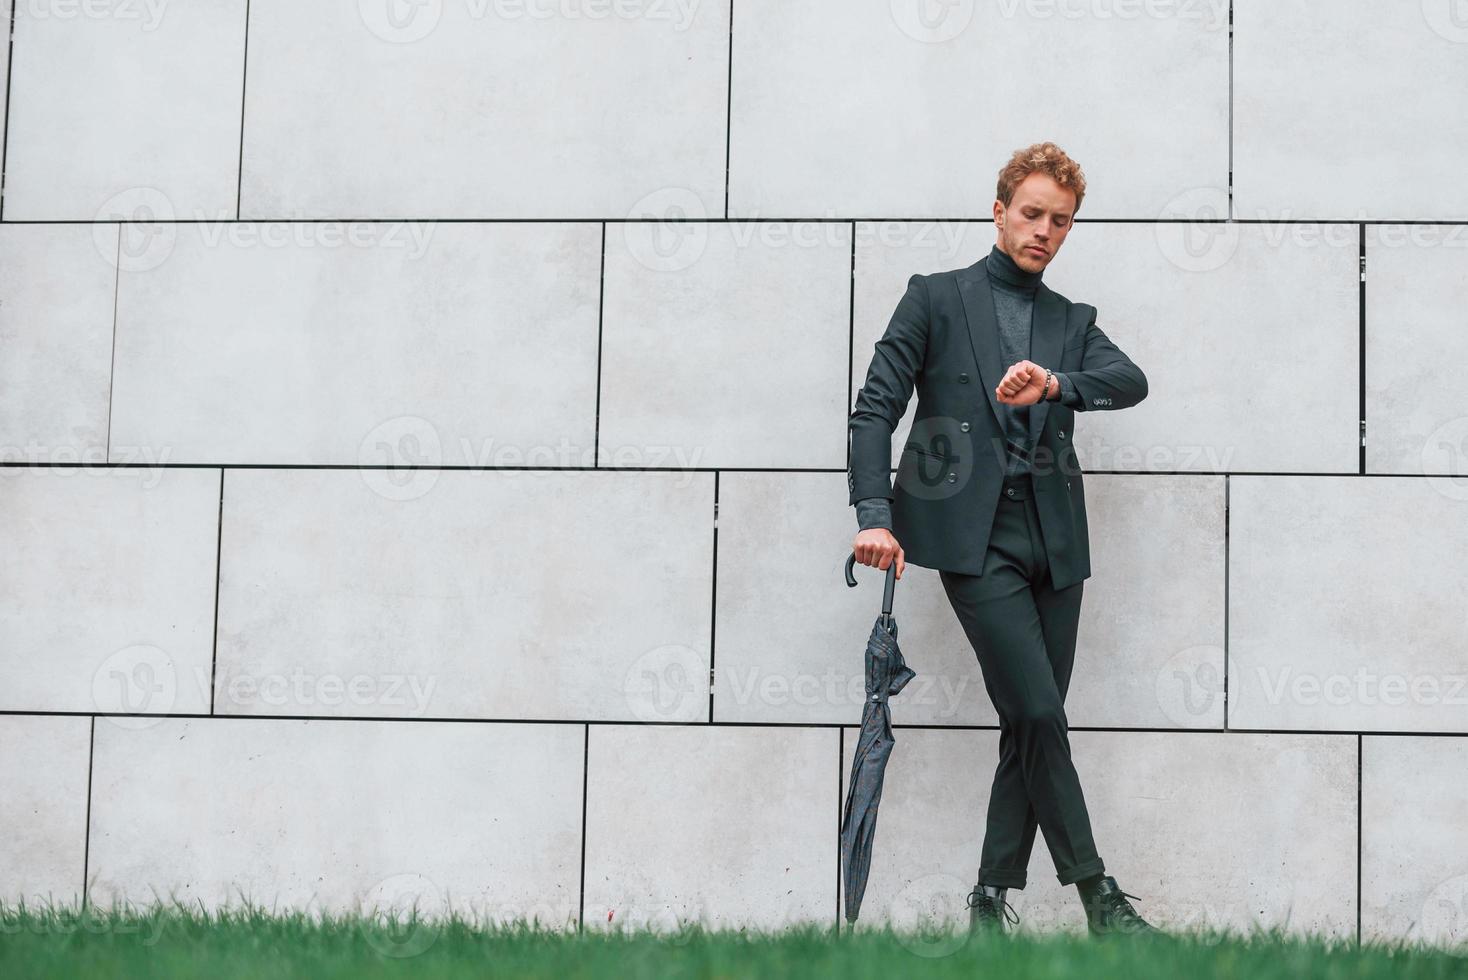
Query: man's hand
(878,548)
(1022,383)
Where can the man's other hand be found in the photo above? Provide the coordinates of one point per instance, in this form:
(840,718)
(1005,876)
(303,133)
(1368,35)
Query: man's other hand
(878,548)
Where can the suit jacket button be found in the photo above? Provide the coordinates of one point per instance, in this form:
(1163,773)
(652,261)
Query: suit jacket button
(963,378)
(963,427)
(1062,433)
(1067,484)
(952,477)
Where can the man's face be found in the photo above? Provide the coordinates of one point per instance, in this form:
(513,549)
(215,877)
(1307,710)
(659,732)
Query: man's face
(1034,226)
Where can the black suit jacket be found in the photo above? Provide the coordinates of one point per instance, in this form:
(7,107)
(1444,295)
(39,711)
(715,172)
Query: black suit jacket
(943,340)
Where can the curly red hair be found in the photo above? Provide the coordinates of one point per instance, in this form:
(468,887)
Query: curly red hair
(1045,158)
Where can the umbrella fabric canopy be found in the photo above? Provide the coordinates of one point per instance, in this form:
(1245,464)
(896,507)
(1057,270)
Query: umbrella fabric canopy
(886,674)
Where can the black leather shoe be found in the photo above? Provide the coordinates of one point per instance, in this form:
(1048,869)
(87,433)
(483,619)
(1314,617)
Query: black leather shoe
(1108,912)
(987,911)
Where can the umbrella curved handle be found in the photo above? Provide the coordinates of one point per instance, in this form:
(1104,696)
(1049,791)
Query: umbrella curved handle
(886,592)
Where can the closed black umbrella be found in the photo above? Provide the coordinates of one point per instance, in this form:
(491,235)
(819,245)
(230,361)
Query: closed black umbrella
(886,674)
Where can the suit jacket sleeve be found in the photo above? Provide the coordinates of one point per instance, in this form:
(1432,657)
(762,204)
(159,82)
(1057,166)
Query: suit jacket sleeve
(1108,379)
(1069,397)
(896,364)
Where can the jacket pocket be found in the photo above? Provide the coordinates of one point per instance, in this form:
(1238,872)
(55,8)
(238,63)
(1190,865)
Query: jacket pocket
(918,451)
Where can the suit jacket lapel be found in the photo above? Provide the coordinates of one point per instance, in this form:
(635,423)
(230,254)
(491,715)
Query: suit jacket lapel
(983,330)
(1047,335)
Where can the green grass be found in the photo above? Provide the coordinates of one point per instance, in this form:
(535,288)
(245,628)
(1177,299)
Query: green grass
(178,941)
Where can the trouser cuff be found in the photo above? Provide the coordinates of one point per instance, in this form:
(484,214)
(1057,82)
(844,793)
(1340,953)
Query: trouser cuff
(1002,877)
(1072,875)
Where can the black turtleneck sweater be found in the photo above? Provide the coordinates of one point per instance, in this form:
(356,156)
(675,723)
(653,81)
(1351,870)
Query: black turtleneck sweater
(1014,291)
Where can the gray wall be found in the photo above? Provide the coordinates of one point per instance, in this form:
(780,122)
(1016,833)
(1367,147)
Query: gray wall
(385,477)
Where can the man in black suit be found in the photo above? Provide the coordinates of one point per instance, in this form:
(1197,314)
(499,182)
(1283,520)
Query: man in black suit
(989,492)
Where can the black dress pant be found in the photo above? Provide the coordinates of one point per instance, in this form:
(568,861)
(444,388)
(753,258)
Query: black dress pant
(1024,634)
